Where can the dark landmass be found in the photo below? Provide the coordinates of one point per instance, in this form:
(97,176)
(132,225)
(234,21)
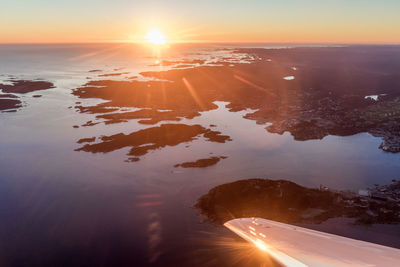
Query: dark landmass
(326,96)
(20,87)
(9,104)
(201,163)
(113,74)
(8,96)
(90,123)
(143,141)
(287,202)
(86,140)
(23,86)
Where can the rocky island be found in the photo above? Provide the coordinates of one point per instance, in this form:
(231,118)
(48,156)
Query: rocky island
(10,100)
(288,202)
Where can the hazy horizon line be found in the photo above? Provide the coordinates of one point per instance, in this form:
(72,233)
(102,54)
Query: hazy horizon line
(201,42)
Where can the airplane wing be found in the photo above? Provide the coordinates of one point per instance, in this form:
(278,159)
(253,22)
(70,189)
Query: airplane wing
(296,246)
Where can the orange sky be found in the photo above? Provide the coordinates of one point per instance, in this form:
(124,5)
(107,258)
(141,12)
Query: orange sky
(303,21)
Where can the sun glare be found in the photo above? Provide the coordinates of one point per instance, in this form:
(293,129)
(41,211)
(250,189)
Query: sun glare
(155,37)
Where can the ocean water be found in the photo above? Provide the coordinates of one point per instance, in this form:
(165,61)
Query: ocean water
(61,207)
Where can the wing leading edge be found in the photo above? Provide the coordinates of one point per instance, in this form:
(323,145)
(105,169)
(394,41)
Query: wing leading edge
(294,246)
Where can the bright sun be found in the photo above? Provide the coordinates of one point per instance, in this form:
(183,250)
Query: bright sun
(155,37)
